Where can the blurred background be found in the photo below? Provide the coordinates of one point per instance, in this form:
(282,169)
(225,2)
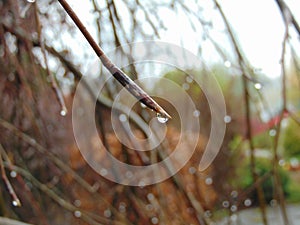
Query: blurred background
(251,47)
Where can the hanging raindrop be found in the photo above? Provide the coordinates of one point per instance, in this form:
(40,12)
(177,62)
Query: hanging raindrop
(77,214)
(63,112)
(13,174)
(30,1)
(16,202)
(258,86)
(143,105)
(161,118)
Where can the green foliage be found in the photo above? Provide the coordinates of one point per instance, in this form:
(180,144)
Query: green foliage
(294,190)
(291,141)
(263,166)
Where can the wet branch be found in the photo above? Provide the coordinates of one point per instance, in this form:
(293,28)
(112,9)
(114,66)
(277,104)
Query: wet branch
(15,200)
(249,137)
(129,84)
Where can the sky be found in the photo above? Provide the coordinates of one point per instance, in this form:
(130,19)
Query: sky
(257,24)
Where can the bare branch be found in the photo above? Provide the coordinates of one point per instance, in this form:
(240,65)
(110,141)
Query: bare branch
(129,84)
(15,200)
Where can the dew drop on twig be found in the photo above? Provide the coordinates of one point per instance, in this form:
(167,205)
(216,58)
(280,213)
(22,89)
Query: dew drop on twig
(257,86)
(16,202)
(30,1)
(63,112)
(77,214)
(161,118)
(143,105)
(13,174)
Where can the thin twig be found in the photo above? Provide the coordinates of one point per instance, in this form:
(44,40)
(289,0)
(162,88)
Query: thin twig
(55,86)
(52,194)
(62,165)
(249,137)
(129,84)
(285,9)
(278,185)
(15,200)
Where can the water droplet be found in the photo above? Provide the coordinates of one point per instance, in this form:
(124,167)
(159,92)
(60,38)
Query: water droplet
(272,132)
(227,64)
(149,207)
(13,174)
(107,213)
(154,220)
(247,202)
(77,213)
(32,141)
(161,118)
(143,105)
(225,204)
(103,172)
(122,207)
(207,214)
(141,184)
(129,174)
(257,86)
(233,208)
(192,170)
(150,196)
(189,79)
(16,202)
(208,180)
(122,117)
(227,119)
(234,194)
(77,203)
(185,86)
(63,112)
(196,113)
(30,1)
(281,162)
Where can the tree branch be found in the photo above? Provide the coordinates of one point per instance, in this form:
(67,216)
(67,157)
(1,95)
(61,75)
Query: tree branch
(129,84)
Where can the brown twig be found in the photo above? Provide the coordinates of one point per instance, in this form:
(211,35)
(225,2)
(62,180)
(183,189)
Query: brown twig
(249,137)
(55,86)
(62,165)
(129,84)
(15,200)
(285,9)
(277,181)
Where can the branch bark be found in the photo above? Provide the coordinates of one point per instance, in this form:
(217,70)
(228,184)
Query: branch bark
(129,84)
